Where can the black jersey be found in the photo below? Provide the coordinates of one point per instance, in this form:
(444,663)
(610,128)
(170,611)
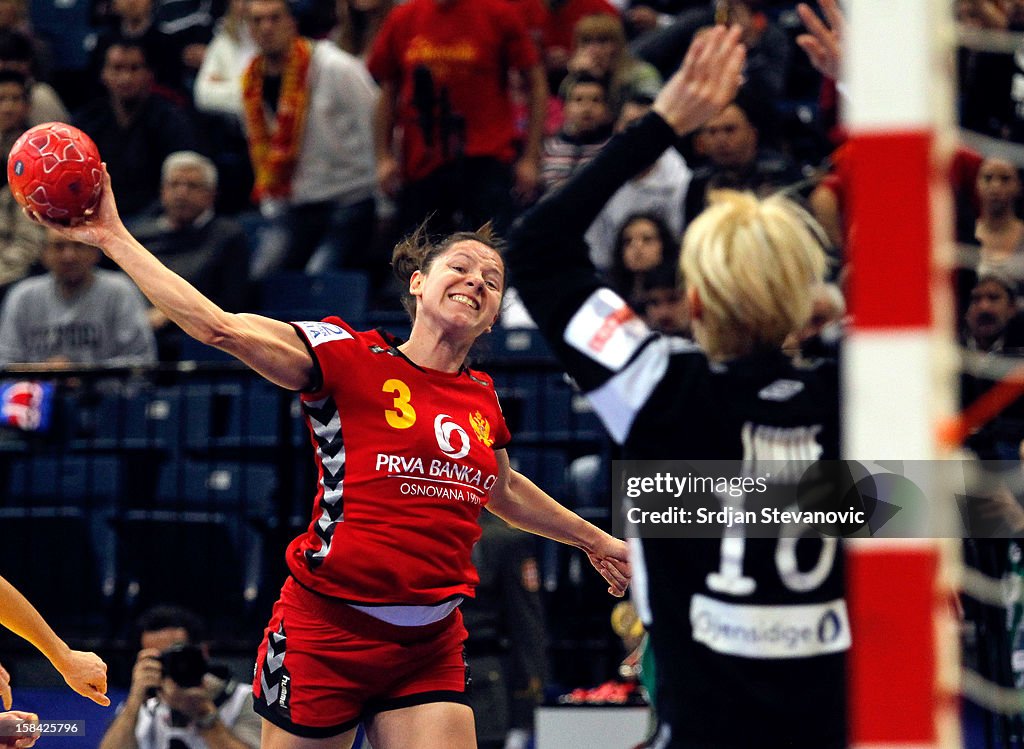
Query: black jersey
(749,635)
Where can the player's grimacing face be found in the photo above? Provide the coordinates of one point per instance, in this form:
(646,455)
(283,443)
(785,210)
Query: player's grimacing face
(464,285)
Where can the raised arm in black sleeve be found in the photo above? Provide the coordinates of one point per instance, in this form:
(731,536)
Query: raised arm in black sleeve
(548,257)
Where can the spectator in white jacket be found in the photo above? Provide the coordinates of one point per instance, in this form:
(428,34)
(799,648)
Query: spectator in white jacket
(309,122)
(218,87)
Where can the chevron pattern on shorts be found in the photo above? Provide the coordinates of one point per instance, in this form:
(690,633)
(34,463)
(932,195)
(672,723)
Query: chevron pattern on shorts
(273,672)
(330,455)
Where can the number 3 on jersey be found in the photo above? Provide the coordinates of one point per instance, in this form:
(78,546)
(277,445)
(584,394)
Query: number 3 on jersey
(403,415)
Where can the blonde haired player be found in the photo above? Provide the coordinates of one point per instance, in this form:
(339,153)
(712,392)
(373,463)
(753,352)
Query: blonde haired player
(749,635)
(745,293)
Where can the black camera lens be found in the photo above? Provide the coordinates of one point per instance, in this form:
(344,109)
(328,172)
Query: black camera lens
(184,664)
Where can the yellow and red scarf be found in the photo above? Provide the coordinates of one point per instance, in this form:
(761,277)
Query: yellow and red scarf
(274,152)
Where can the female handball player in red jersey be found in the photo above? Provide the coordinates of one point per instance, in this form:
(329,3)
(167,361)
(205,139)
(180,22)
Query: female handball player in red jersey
(409,447)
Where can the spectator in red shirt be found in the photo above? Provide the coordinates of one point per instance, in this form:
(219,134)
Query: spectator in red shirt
(443,67)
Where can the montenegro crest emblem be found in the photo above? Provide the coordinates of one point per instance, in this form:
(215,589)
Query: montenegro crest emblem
(482,428)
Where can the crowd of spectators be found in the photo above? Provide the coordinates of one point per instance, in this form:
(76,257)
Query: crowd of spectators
(246,138)
(329,129)
(250,137)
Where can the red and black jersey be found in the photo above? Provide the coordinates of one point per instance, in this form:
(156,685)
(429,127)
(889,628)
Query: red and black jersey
(405,461)
(467,49)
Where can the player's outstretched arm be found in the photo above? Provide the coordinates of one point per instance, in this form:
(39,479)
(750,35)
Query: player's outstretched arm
(270,347)
(84,672)
(521,503)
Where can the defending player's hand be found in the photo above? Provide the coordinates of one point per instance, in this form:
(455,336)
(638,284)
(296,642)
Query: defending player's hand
(822,43)
(706,81)
(86,673)
(610,558)
(99,225)
(17,717)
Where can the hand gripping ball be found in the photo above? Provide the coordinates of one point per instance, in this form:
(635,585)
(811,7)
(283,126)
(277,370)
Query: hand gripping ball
(55,170)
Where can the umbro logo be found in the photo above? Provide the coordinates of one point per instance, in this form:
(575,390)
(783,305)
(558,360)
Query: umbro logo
(781,390)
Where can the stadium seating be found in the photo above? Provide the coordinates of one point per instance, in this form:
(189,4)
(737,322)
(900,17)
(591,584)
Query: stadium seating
(297,296)
(63,557)
(202,560)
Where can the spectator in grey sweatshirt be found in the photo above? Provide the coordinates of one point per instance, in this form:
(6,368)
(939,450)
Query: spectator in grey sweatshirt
(75,313)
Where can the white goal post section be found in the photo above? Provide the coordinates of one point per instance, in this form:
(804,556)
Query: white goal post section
(897,366)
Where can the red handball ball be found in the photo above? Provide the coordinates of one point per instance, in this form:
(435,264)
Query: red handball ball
(54,169)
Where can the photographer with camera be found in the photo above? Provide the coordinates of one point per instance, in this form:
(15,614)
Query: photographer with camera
(177,699)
